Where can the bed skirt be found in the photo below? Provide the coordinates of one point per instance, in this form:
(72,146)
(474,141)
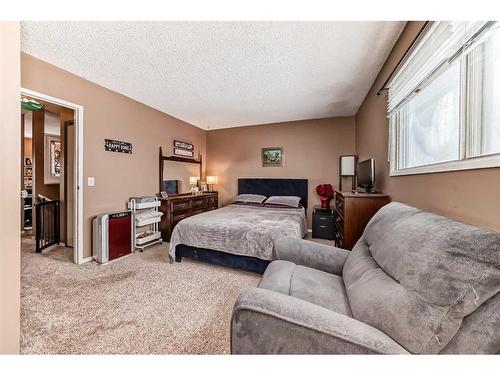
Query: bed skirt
(221,258)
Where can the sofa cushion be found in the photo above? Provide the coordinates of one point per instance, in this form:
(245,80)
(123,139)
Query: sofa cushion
(416,275)
(308,284)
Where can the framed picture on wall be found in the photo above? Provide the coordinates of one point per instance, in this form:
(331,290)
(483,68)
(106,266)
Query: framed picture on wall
(272,157)
(52,166)
(28,161)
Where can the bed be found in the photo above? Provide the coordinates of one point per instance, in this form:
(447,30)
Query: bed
(242,236)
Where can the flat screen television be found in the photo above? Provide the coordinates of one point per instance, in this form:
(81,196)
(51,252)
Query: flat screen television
(171,186)
(365,173)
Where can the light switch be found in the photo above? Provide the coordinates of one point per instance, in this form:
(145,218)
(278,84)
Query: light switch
(91,181)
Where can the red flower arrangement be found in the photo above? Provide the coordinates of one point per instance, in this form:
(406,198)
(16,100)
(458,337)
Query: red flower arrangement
(325,192)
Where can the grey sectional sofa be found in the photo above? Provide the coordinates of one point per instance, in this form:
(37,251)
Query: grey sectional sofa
(414,283)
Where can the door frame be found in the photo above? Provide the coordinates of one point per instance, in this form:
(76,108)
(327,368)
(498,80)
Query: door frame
(78,186)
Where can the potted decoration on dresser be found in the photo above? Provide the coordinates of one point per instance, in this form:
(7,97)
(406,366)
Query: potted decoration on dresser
(325,192)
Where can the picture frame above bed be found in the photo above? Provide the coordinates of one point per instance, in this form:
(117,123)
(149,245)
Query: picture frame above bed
(272,157)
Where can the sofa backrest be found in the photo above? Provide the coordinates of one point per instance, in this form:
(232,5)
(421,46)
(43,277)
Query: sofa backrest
(416,275)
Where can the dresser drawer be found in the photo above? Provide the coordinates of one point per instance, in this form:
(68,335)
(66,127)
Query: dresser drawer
(178,217)
(212,200)
(198,211)
(200,202)
(211,208)
(324,231)
(180,206)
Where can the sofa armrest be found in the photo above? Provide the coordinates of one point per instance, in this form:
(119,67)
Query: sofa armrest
(267,322)
(311,254)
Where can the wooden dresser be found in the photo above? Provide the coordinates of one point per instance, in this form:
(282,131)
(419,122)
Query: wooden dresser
(352,212)
(179,206)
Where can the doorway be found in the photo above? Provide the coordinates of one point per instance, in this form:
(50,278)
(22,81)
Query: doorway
(53,172)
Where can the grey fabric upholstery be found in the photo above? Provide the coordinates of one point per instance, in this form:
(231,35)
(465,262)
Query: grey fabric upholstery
(311,254)
(479,332)
(415,282)
(416,275)
(308,284)
(267,322)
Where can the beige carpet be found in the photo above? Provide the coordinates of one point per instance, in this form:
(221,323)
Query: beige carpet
(137,305)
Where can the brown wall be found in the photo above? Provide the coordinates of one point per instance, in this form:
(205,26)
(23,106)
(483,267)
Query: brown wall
(10,187)
(28,152)
(108,114)
(471,196)
(311,150)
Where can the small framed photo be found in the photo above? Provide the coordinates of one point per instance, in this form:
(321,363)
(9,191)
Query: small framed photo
(204,186)
(184,153)
(184,145)
(163,194)
(28,161)
(28,171)
(272,157)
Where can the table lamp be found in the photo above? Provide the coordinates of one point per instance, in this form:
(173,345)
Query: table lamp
(211,180)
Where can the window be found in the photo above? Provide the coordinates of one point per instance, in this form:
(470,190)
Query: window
(443,100)
(488,58)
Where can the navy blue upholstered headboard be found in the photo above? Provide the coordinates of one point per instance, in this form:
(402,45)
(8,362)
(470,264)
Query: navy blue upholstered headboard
(275,186)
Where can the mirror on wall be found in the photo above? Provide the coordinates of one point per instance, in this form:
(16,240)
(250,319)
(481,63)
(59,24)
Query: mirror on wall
(178,175)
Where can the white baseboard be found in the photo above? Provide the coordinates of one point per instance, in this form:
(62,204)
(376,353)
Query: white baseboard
(86,260)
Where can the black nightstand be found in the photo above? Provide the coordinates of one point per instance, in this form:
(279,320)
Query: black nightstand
(322,223)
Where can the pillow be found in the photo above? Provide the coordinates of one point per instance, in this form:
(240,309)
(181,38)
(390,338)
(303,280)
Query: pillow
(284,200)
(283,206)
(250,198)
(252,204)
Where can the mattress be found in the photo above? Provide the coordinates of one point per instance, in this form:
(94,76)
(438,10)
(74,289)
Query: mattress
(241,230)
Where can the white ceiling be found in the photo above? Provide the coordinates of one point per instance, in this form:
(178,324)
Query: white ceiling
(224,74)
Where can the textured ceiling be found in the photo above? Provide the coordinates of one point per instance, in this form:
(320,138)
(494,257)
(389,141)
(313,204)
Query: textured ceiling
(223,74)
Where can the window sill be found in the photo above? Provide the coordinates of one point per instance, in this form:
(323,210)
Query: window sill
(490,161)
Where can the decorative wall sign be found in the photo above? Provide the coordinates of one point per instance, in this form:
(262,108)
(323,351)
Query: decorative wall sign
(272,157)
(183,145)
(181,152)
(117,146)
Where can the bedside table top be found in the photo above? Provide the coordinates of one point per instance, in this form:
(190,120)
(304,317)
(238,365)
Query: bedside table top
(317,209)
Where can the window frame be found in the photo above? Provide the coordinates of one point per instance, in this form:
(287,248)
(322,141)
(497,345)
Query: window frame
(467,138)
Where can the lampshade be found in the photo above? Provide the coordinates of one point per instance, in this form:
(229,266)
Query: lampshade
(347,165)
(211,180)
(193,180)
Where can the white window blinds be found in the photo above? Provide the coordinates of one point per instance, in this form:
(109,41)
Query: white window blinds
(437,47)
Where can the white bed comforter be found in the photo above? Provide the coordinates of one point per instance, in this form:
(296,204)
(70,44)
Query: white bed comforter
(241,230)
